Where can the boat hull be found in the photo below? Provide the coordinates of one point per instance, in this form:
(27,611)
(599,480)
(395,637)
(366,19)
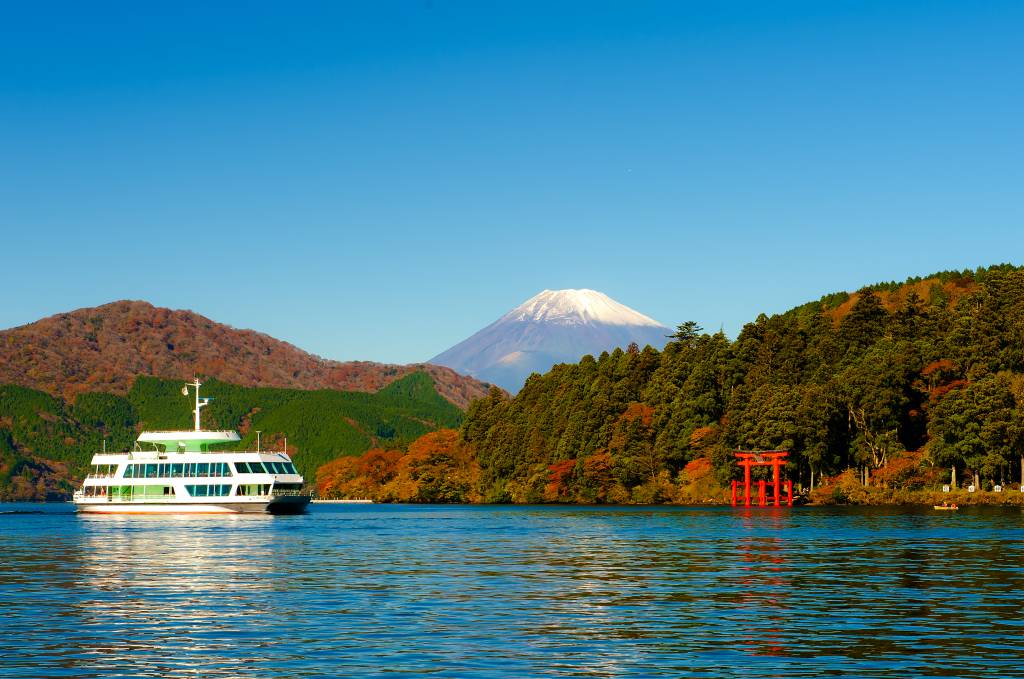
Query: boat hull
(289,504)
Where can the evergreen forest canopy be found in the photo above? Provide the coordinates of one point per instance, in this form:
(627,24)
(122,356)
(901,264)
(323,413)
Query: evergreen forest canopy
(898,381)
(46,443)
(932,365)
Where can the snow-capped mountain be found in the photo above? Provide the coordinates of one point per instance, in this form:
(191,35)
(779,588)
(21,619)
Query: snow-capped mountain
(556,326)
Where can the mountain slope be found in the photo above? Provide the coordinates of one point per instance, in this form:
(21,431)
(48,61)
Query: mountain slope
(46,443)
(555,326)
(104,349)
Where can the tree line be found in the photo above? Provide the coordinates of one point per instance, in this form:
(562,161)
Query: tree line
(925,377)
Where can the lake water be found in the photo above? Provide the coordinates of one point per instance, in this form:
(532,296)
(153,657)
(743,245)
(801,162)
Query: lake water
(514,592)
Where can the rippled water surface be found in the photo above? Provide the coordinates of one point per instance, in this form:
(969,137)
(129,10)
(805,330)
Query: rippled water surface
(513,591)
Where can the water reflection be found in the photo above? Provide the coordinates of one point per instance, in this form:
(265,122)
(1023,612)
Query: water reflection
(761,606)
(513,592)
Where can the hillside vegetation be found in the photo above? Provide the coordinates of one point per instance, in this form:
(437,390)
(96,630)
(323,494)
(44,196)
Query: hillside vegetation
(848,384)
(103,349)
(46,443)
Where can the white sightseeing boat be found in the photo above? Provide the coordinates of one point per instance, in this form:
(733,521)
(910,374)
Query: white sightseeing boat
(175,472)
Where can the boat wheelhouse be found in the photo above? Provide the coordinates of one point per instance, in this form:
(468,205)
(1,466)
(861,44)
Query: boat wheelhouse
(183,472)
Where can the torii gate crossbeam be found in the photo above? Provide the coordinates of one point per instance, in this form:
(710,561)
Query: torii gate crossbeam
(762,458)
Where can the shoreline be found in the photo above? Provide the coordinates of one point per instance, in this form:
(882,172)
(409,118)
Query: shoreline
(820,497)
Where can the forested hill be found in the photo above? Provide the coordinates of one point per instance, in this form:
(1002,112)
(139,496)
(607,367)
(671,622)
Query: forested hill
(934,365)
(46,443)
(104,348)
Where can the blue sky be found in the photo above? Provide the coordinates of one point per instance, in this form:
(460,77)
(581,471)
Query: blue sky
(379,180)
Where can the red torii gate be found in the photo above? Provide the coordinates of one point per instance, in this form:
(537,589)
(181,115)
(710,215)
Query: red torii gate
(762,458)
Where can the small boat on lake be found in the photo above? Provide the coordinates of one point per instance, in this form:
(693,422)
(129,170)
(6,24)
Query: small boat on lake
(176,472)
(946,508)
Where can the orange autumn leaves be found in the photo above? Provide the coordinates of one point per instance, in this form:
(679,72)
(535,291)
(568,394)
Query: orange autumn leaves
(437,467)
(440,467)
(103,349)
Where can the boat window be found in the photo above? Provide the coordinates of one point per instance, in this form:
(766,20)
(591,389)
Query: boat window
(241,468)
(177,469)
(129,471)
(151,471)
(290,467)
(204,469)
(217,490)
(130,492)
(257,468)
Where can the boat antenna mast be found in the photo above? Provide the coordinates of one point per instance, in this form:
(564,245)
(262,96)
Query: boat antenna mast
(200,402)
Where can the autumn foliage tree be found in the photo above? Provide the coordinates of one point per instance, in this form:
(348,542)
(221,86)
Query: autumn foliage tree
(932,365)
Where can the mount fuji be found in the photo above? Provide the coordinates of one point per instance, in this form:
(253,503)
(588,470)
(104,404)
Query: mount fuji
(555,326)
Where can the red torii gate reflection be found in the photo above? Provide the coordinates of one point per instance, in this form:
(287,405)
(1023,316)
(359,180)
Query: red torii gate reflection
(762,458)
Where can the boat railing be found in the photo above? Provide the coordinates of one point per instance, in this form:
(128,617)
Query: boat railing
(189,431)
(143,455)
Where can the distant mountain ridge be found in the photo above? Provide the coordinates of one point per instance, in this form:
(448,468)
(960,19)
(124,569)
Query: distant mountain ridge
(554,326)
(104,348)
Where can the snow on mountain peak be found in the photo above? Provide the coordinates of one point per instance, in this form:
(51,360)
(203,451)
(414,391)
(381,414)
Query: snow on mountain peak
(577,307)
(556,326)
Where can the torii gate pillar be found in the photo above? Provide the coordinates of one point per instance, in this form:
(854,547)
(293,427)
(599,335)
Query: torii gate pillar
(763,458)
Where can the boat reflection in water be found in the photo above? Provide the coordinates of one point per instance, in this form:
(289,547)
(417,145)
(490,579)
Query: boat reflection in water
(514,592)
(186,587)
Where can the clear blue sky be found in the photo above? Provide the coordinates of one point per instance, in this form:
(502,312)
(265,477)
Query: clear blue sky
(378,180)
